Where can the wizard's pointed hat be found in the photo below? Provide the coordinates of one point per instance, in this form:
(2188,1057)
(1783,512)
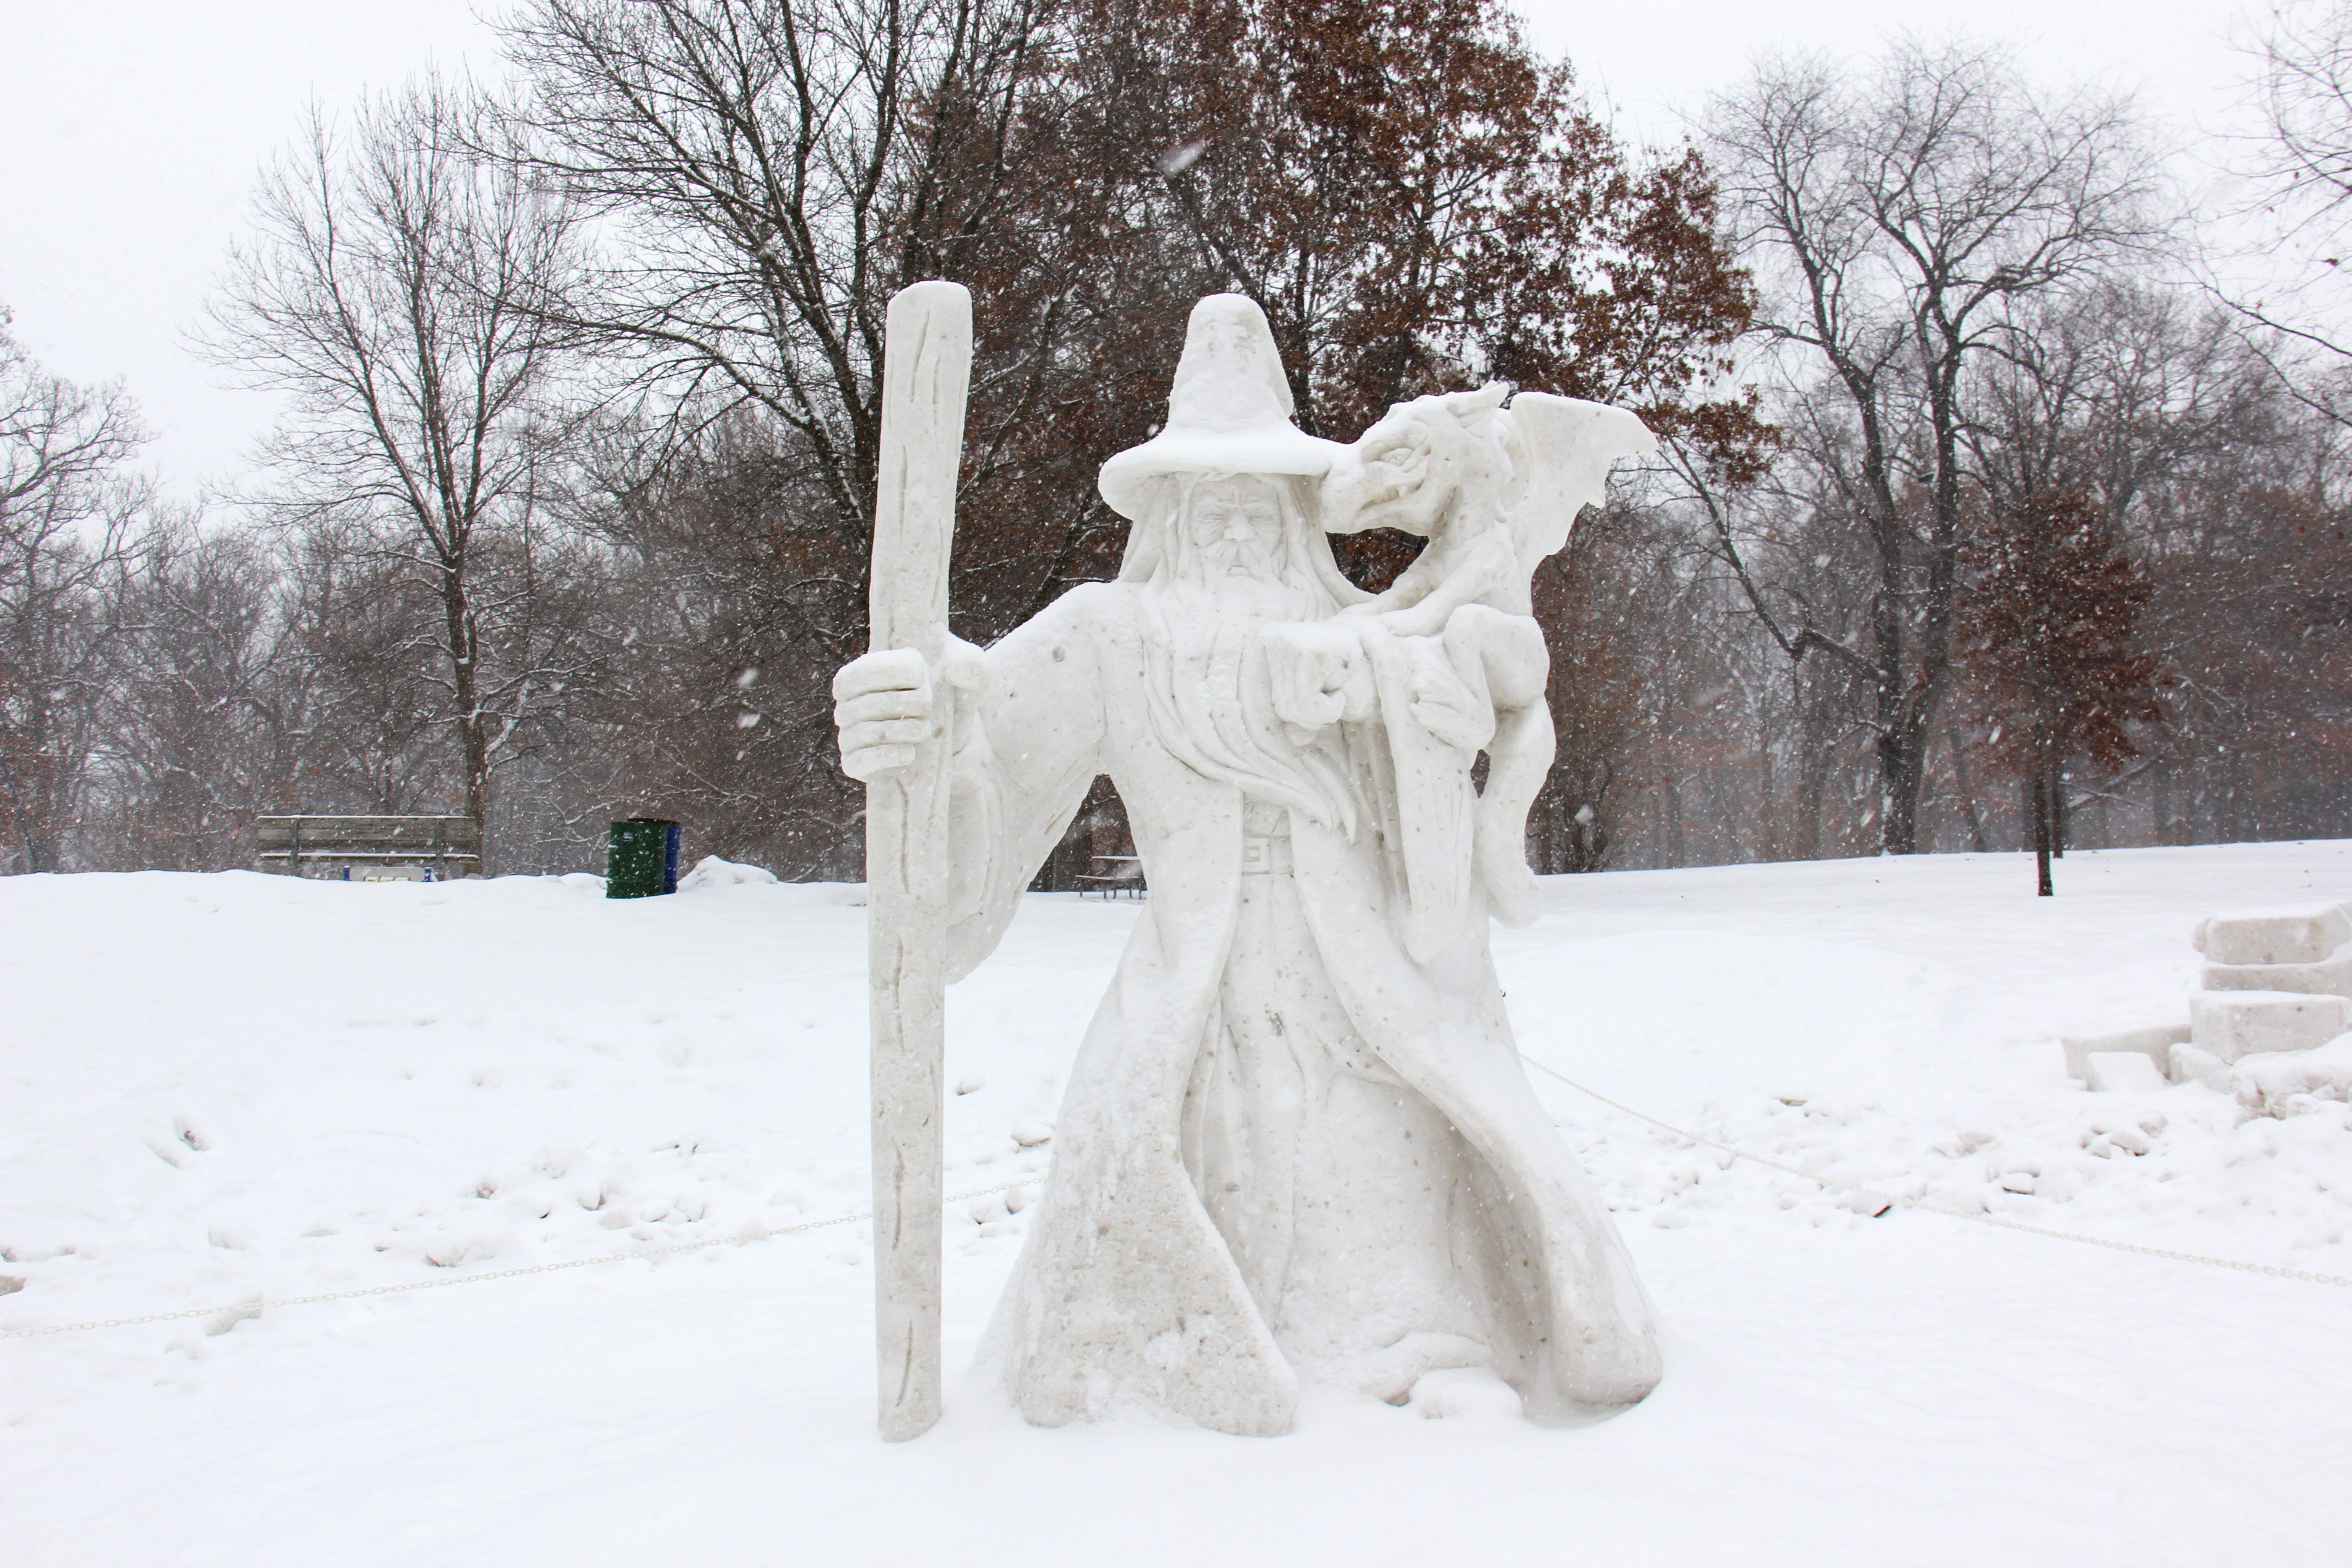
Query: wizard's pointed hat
(1229,412)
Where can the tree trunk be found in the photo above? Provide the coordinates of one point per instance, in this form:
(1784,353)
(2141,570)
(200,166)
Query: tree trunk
(1902,758)
(18,811)
(1898,769)
(40,789)
(473,734)
(2038,805)
(1967,797)
(1812,799)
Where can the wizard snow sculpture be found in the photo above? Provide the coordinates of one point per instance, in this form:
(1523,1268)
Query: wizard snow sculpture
(1298,1145)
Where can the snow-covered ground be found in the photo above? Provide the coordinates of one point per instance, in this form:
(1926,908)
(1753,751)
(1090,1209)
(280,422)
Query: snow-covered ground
(222,1089)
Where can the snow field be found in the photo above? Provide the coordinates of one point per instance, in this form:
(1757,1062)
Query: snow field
(214,1090)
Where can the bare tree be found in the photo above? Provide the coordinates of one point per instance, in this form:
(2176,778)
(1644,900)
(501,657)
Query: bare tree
(771,171)
(401,289)
(1906,218)
(718,708)
(2304,86)
(71,518)
(2280,270)
(2114,389)
(763,175)
(203,723)
(2301,164)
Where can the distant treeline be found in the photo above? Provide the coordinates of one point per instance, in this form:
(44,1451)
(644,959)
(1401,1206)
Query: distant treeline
(1976,508)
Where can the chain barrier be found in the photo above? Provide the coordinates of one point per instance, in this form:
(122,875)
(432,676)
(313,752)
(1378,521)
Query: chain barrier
(256,1308)
(1896,1199)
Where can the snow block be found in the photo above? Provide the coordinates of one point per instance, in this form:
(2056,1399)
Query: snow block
(2190,1065)
(2233,1024)
(2330,977)
(2123,1072)
(2154,1041)
(2305,933)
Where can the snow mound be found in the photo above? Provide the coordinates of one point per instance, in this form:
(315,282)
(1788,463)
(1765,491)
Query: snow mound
(2294,1083)
(711,871)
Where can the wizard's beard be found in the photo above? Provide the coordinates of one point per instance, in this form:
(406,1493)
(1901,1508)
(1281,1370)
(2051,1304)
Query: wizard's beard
(1218,559)
(1205,611)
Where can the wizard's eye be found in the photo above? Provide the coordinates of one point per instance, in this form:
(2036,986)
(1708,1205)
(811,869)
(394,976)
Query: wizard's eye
(1399,456)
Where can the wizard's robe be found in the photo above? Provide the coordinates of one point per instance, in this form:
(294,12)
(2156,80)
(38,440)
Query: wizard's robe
(1136,1289)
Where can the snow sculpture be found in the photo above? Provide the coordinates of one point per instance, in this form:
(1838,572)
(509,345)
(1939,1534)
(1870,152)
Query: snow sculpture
(1296,1143)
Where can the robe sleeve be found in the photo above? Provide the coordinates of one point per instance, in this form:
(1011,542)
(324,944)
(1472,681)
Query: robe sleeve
(1023,763)
(1426,799)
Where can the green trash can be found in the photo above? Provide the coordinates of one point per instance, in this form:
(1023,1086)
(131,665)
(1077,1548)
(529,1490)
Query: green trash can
(643,860)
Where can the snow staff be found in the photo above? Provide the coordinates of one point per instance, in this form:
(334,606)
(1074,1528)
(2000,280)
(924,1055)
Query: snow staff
(926,374)
(1296,1143)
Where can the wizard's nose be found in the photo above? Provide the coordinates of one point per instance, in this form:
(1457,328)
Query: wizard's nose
(1239,532)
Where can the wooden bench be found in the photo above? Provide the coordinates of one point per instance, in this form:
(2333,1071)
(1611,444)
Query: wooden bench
(350,846)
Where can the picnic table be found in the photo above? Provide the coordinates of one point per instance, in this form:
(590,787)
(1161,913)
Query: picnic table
(1115,876)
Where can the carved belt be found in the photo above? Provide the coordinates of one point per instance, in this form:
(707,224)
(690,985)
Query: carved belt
(1270,855)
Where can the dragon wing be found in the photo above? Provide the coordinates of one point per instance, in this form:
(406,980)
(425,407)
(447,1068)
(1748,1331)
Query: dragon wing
(1561,450)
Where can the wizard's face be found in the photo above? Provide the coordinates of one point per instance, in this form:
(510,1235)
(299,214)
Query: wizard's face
(1233,528)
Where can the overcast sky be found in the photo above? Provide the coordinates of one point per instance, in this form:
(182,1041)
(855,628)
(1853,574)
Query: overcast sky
(132,129)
